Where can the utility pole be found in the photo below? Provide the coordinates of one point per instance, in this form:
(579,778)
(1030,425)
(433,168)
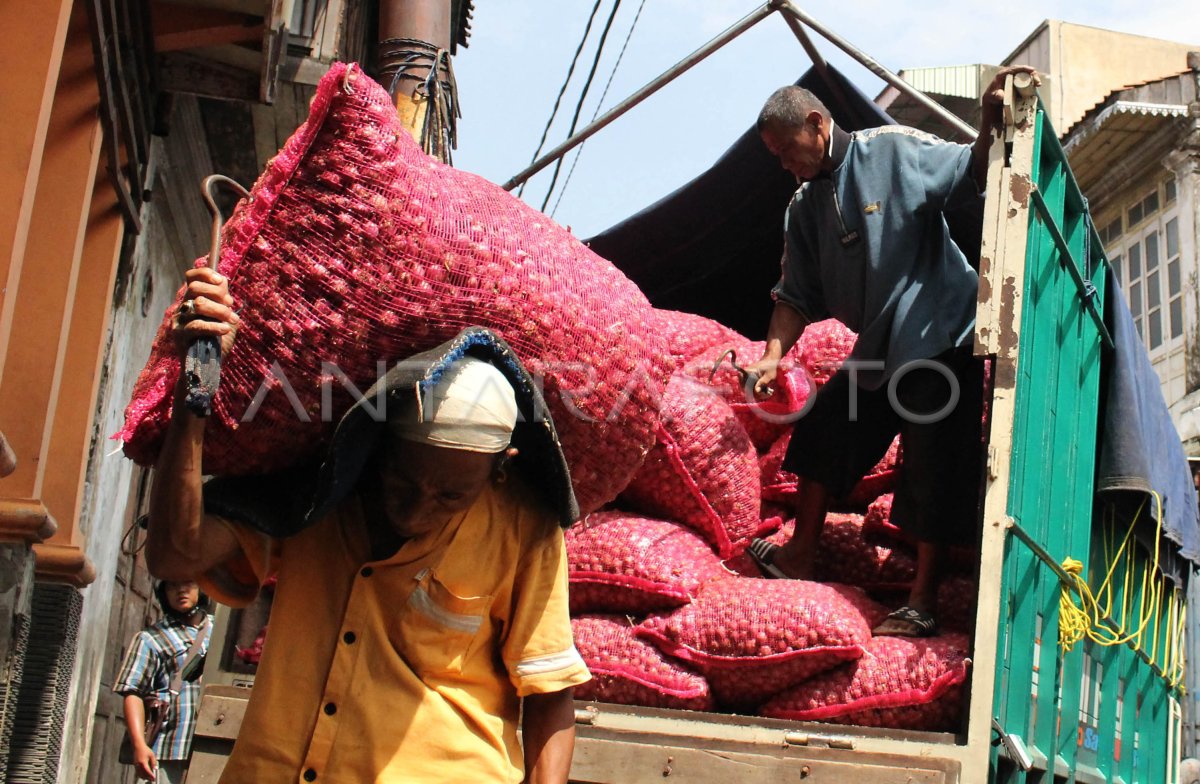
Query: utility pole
(415,46)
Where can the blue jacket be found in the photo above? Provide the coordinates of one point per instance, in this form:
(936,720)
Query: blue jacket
(869,246)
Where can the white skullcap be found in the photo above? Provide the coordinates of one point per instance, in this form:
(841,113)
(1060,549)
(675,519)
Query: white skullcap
(472,408)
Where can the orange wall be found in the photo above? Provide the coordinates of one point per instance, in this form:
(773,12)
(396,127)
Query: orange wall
(60,236)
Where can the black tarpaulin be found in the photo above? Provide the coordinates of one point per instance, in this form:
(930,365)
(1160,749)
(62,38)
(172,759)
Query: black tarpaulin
(713,246)
(1140,452)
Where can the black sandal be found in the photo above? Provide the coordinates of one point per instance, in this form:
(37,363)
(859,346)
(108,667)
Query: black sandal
(923,624)
(762,553)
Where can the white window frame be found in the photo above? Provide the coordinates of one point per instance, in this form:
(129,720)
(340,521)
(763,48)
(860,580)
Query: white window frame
(1141,241)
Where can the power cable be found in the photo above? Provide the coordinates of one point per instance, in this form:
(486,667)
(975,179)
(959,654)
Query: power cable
(599,106)
(582,97)
(571,70)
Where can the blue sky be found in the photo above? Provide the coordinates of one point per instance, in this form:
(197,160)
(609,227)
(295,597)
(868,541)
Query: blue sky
(519,51)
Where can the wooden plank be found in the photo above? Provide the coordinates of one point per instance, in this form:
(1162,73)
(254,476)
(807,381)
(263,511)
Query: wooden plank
(303,70)
(285,115)
(207,36)
(274,47)
(188,153)
(229,134)
(252,7)
(1004,240)
(327,34)
(31,71)
(139,90)
(109,104)
(302,95)
(601,761)
(987,315)
(222,709)
(208,760)
(265,143)
(71,434)
(33,379)
(186,73)
(125,106)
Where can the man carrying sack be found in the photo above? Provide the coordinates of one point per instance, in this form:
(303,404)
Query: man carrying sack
(420,612)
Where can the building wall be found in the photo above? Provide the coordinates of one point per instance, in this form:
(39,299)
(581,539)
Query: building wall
(1186,410)
(1148,239)
(87,271)
(1085,64)
(174,230)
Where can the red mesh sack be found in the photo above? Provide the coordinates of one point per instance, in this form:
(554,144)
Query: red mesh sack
(878,520)
(849,556)
(942,714)
(629,671)
(703,472)
(356,249)
(877,524)
(773,520)
(725,381)
(957,602)
(686,334)
(624,563)
(252,654)
(767,419)
(899,683)
(778,486)
(752,638)
(823,348)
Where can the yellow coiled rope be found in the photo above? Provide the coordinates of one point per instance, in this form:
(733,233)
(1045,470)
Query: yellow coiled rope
(1085,618)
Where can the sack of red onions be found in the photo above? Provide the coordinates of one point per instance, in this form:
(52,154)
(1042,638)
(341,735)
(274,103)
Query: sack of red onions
(764,418)
(752,638)
(620,562)
(629,671)
(354,250)
(686,335)
(912,684)
(703,470)
(824,347)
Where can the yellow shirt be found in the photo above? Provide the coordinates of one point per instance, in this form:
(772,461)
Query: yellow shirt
(403,670)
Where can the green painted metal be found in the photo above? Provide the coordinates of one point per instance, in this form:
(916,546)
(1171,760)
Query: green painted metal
(1110,658)
(1040,688)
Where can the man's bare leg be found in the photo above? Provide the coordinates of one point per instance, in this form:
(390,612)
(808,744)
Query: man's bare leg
(797,557)
(923,596)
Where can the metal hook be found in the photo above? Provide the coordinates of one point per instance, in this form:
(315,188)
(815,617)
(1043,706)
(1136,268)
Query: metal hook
(202,367)
(218,222)
(747,378)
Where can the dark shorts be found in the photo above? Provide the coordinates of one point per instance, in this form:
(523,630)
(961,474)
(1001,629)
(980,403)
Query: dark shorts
(937,493)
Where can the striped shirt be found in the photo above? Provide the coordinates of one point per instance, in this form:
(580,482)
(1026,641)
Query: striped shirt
(156,654)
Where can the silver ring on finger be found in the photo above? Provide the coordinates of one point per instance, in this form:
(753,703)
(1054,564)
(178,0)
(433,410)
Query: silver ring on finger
(187,308)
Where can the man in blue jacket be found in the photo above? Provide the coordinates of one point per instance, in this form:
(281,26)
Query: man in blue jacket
(867,243)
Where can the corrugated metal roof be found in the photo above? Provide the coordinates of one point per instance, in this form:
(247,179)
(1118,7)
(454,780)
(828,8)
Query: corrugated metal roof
(958,80)
(1117,133)
(1152,98)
